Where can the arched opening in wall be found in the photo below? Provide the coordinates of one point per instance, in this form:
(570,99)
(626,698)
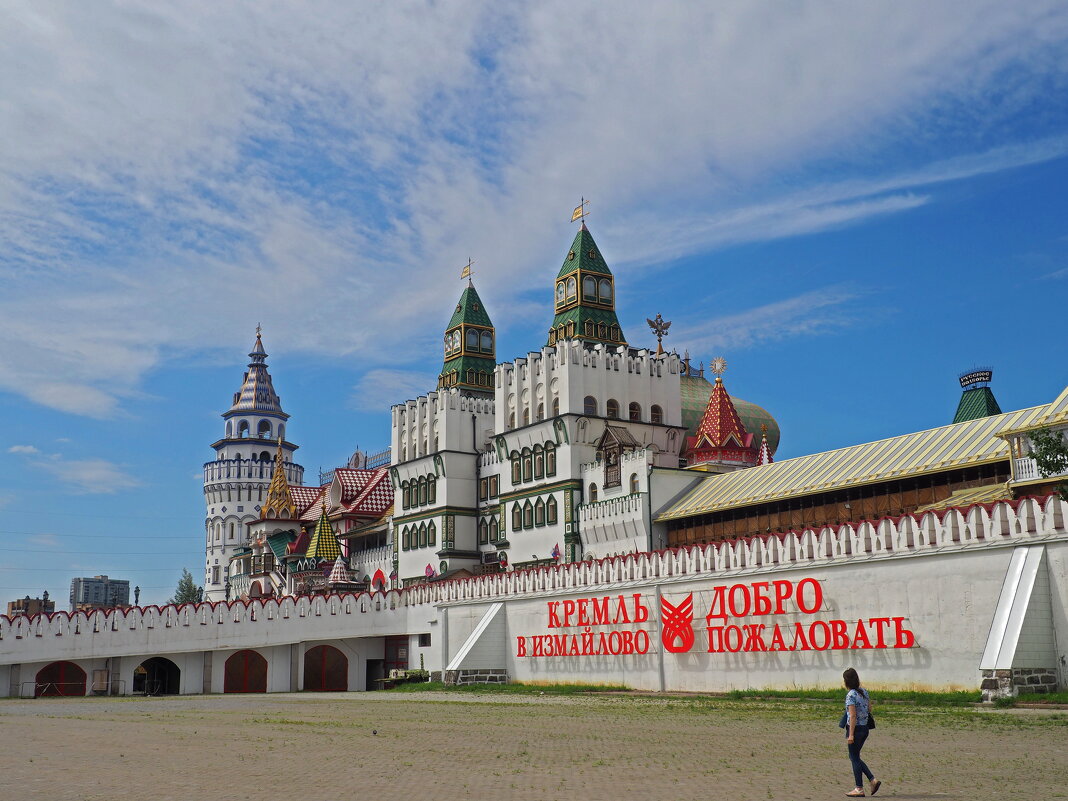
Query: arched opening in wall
(242,429)
(635,413)
(593,493)
(59,678)
(656,414)
(255,590)
(157,676)
(263,430)
(556,407)
(246,672)
(633,483)
(612,409)
(589,405)
(229,428)
(281,431)
(326,669)
(265,456)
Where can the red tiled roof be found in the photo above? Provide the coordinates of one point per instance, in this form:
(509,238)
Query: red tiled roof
(376,496)
(353,482)
(306,498)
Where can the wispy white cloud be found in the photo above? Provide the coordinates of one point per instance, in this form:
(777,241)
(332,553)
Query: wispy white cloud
(153,156)
(816,312)
(380,388)
(88,476)
(44,541)
(27,449)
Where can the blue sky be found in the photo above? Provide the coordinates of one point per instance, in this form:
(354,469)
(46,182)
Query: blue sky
(851,203)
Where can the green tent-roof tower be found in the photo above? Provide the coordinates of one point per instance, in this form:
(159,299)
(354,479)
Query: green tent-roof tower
(470,347)
(585,296)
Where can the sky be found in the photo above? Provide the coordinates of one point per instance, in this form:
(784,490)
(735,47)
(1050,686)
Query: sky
(850,202)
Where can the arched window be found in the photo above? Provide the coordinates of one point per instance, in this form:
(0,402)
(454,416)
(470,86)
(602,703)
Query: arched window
(511,420)
(281,431)
(541,412)
(432,534)
(405,534)
(656,414)
(265,457)
(231,531)
(422,491)
(550,511)
(589,288)
(472,339)
(517,468)
(589,405)
(635,413)
(229,428)
(483,532)
(605,291)
(560,294)
(422,535)
(612,409)
(263,430)
(528,515)
(517,517)
(572,288)
(593,493)
(431,490)
(487,342)
(539,513)
(242,429)
(633,483)
(556,407)
(493,529)
(539,462)
(550,459)
(528,465)
(526,415)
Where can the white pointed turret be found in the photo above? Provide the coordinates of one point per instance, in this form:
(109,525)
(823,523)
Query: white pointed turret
(237,482)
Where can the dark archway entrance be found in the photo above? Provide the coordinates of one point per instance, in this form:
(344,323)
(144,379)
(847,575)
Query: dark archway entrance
(246,672)
(326,669)
(59,678)
(157,676)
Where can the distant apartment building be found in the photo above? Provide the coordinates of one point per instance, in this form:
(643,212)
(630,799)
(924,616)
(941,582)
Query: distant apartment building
(31,606)
(98,591)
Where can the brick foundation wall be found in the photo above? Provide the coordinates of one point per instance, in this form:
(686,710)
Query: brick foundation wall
(460,677)
(1018,681)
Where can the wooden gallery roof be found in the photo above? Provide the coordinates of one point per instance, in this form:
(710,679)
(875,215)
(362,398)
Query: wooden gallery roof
(967,444)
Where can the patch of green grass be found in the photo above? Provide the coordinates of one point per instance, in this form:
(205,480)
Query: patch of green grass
(1034,698)
(514,688)
(916,697)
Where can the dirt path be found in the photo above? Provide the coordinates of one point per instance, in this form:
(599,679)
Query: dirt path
(309,747)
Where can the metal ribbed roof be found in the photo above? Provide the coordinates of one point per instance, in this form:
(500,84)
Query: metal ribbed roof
(958,445)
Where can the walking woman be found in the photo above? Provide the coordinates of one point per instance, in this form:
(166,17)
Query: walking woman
(856,718)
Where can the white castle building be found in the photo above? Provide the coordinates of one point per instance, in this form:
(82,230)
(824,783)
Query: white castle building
(598,512)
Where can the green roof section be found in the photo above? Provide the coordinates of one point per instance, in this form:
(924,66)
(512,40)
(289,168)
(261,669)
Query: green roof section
(976,402)
(278,542)
(469,310)
(584,255)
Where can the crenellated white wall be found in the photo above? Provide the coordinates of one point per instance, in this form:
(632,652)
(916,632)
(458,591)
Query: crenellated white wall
(940,572)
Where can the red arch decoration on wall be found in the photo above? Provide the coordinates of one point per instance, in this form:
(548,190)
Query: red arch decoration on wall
(378,581)
(246,672)
(59,679)
(326,669)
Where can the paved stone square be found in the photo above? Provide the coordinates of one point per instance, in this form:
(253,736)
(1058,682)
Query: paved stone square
(461,745)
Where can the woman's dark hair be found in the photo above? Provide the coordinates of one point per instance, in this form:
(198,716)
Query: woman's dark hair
(852,680)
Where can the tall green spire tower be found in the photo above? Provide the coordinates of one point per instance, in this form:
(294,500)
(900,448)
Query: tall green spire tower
(585,296)
(470,347)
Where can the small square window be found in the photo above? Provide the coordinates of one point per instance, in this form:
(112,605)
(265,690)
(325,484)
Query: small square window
(424,640)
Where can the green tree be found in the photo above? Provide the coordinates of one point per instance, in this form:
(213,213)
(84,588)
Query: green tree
(1050,452)
(187,592)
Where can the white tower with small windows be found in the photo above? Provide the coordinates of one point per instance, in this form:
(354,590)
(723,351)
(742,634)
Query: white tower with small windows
(236,482)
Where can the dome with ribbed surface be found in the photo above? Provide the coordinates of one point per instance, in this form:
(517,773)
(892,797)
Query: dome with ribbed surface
(696,390)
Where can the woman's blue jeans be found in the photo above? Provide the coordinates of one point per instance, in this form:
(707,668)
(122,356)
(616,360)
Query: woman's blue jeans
(860,734)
